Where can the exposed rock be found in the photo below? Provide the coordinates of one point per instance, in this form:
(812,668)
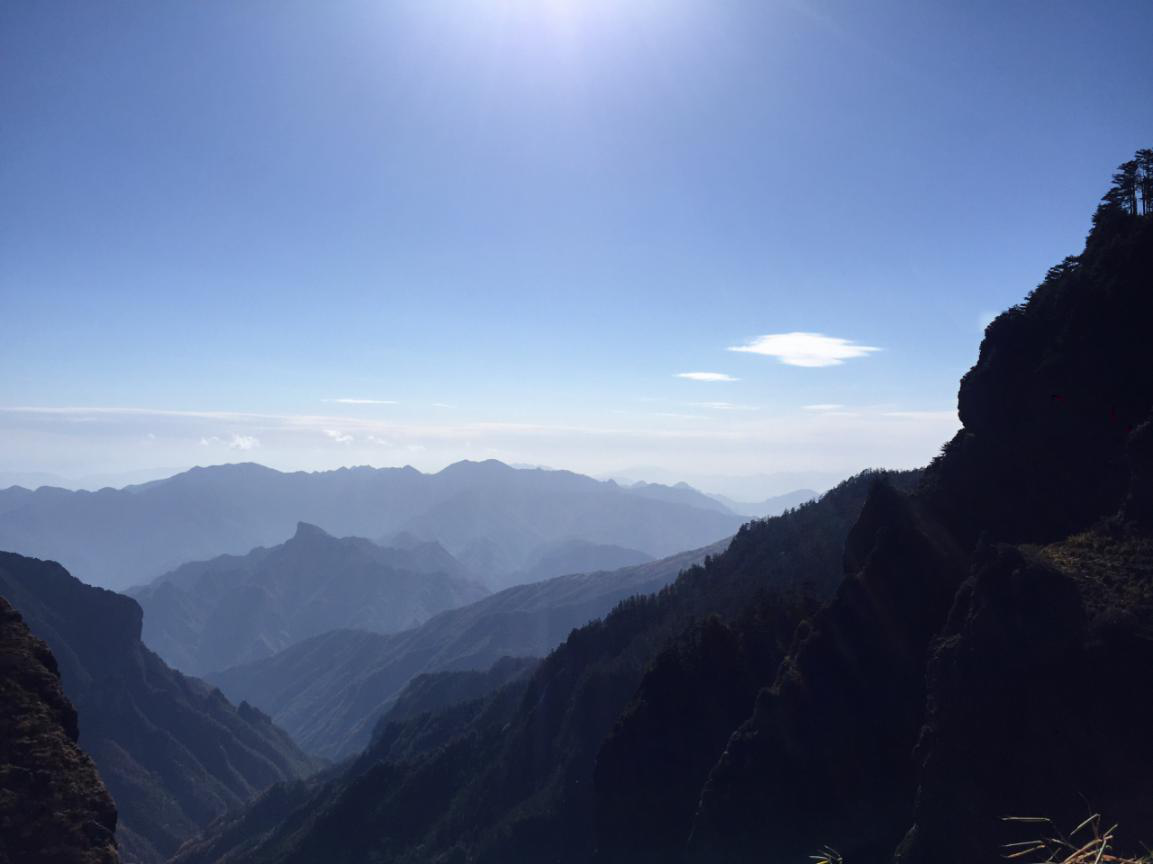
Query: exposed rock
(174,752)
(53,807)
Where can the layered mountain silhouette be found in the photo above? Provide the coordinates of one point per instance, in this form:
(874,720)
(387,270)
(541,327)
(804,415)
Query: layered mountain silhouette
(889,672)
(773,506)
(578,556)
(495,519)
(53,806)
(514,778)
(173,751)
(207,616)
(329,692)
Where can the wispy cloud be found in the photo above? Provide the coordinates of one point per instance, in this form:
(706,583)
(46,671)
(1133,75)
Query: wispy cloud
(348,401)
(706,376)
(824,406)
(724,406)
(765,440)
(235,442)
(806,349)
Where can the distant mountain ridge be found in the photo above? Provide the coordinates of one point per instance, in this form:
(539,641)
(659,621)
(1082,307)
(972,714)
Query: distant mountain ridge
(511,778)
(773,506)
(174,753)
(329,691)
(206,616)
(493,518)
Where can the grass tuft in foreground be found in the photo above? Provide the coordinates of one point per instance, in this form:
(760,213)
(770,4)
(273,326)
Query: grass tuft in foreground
(1085,844)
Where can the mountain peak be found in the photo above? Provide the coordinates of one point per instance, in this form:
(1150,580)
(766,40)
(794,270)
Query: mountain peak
(308,531)
(486,467)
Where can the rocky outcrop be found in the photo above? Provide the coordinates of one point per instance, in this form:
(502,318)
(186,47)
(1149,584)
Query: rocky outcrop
(826,757)
(53,807)
(174,752)
(1037,703)
(951,681)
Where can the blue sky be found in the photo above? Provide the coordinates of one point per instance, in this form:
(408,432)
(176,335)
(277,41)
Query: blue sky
(507,226)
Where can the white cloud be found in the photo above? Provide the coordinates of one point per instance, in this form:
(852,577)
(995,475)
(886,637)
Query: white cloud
(243,442)
(767,440)
(706,376)
(724,406)
(361,401)
(236,442)
(824,406)
(338,436)
(806,349)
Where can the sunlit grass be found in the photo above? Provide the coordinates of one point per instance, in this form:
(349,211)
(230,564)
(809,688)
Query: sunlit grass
(1088,843)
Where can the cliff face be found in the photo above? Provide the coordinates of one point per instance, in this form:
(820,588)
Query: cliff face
(53,807)
(951,682)
(174,752)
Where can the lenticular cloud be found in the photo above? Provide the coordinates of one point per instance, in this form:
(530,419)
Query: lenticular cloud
(806,349)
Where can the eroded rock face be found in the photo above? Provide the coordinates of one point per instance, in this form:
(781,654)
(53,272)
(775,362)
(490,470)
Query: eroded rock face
(174,752)
(53,807)
(826,757)
(1059,385)
(1052,445)
(1038,700)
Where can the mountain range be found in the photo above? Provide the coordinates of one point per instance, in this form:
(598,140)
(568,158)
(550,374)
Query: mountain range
(174,753)
(889,672)
(206,616)
(329,691)
(494,519)
(511,777)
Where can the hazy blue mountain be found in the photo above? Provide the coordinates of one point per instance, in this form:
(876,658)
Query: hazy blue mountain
(493,518)
(578,556)
(679,493)
(774,506)
(173,751)
(209,615)
(329,691)
(511,777)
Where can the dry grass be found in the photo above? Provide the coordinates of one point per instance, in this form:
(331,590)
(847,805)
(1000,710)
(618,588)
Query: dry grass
(1088,843)
(1085,844)
(827,856)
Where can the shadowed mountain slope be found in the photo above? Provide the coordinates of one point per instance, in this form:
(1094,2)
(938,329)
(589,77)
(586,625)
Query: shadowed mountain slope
(174,752)
(53,807)
(210,615)
(947,686)
(329,691)
(517,783)
(493,518)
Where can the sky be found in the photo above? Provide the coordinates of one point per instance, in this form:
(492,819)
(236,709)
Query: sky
(643,238)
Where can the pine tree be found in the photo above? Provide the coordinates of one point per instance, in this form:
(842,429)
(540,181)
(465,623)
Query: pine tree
(1125,184)
(1145,180)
